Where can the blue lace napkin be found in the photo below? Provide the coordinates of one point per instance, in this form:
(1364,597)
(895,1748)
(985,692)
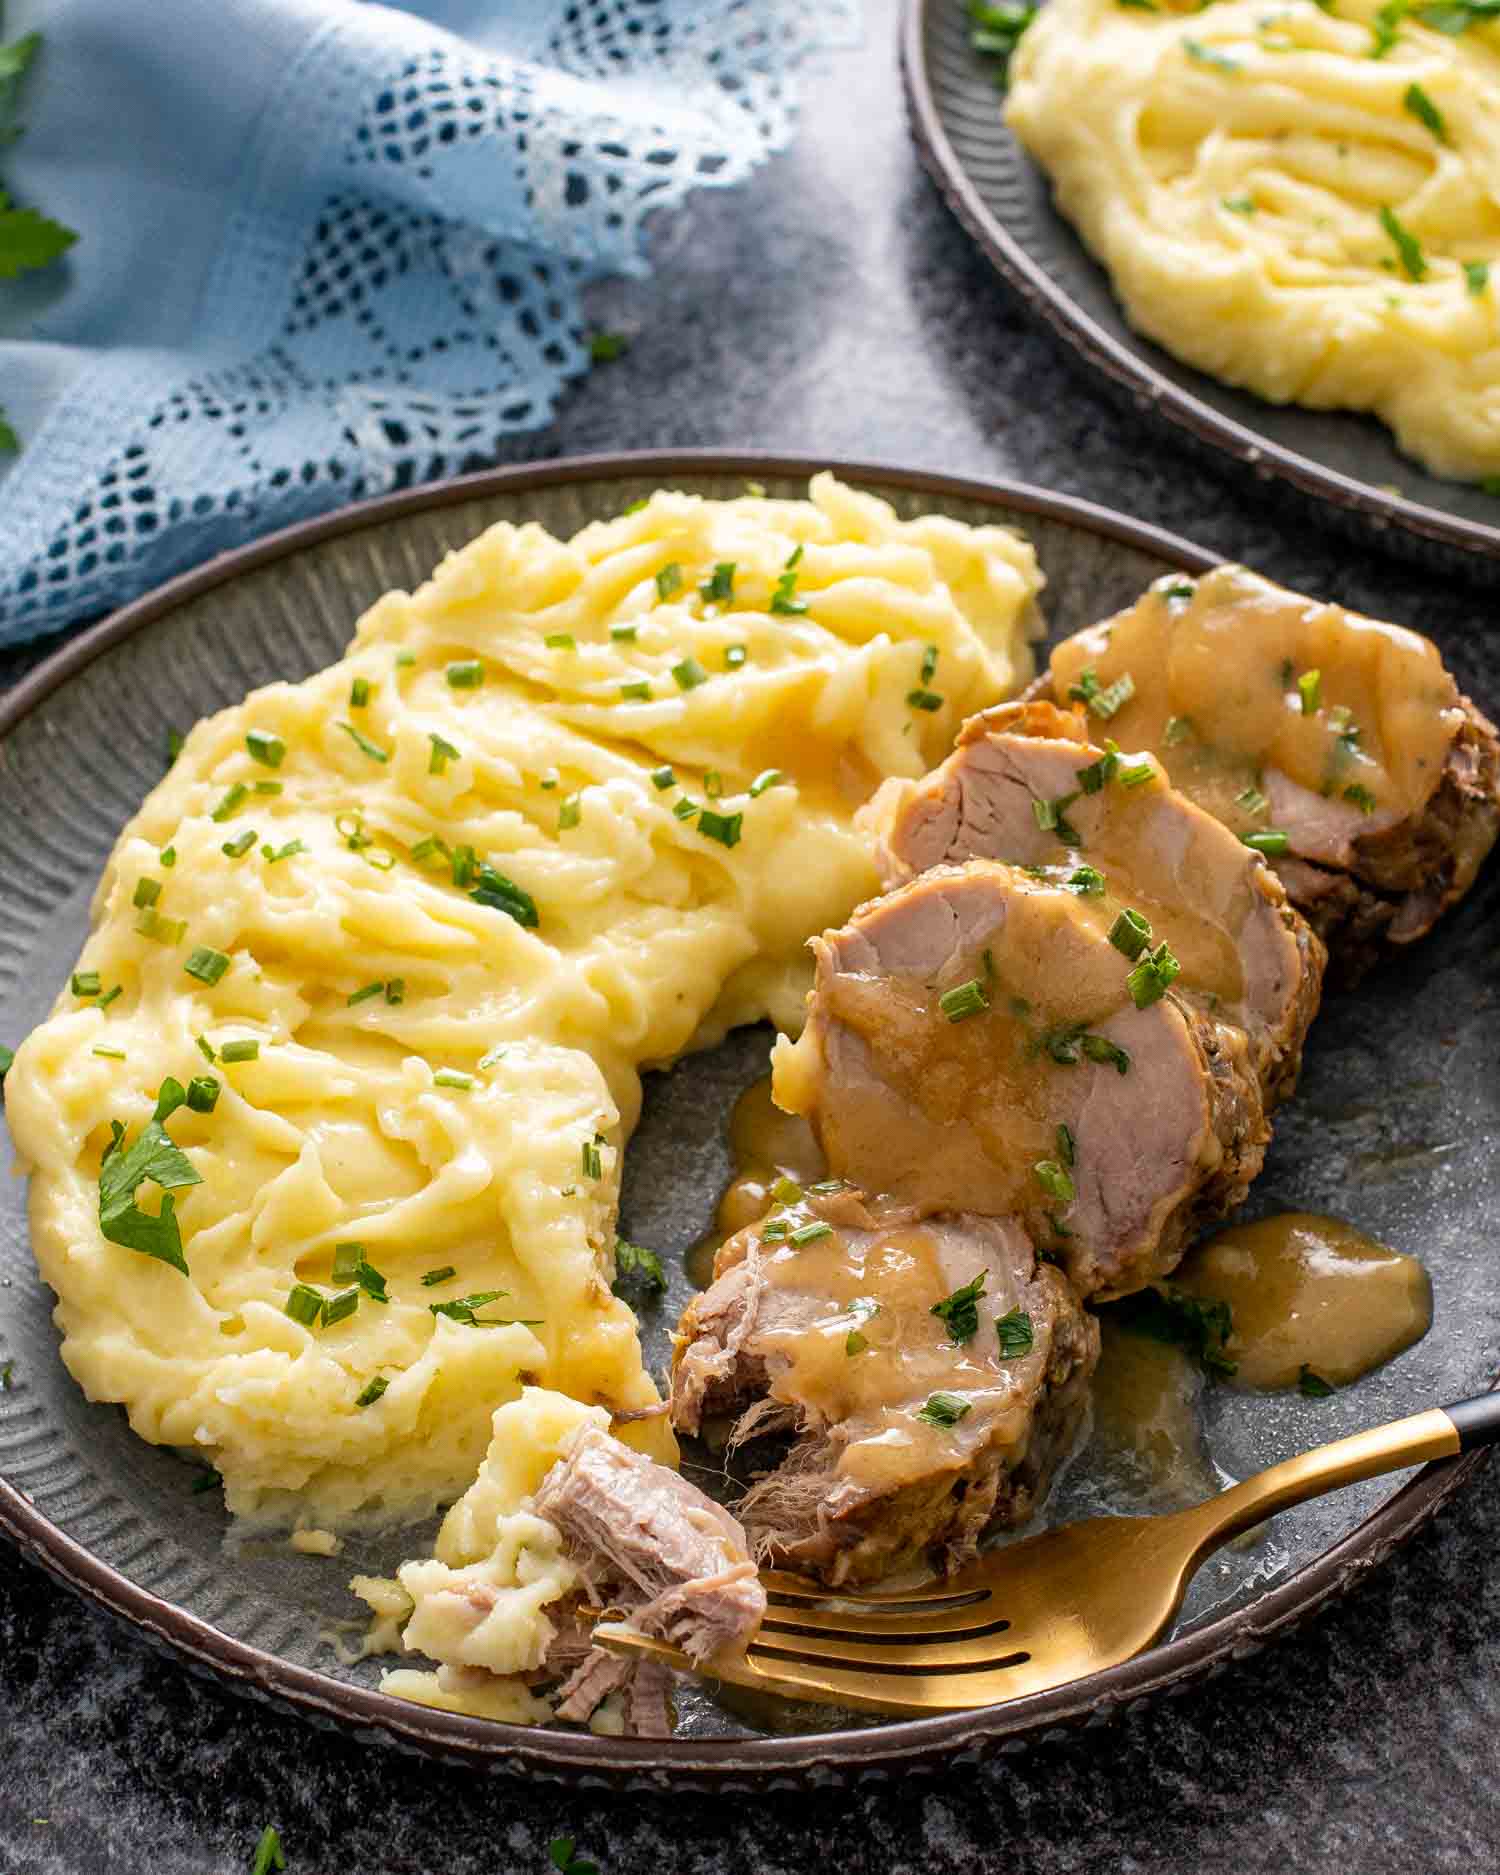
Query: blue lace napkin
(326,248)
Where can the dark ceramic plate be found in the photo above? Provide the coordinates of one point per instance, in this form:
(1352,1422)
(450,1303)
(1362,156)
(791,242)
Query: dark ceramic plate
(1393,1127)
(1004,200)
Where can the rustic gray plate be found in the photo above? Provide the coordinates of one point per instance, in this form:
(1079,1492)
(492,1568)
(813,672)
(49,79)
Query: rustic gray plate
(1004,200)
(1396,1127)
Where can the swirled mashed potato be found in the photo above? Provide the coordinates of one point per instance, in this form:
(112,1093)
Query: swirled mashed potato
(1303,200)
(569,809)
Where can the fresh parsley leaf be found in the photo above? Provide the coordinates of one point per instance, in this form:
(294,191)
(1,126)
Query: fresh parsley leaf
(122,1172)
(961,1310)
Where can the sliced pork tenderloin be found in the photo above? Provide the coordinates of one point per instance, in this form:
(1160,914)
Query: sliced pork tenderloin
(1027,785)
(1340,742)
(974,1044)
(929,1371)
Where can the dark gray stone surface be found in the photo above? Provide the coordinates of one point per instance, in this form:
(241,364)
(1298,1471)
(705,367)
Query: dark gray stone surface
(833,308)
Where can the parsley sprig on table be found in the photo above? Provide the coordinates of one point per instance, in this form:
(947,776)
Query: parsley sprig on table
(28,239)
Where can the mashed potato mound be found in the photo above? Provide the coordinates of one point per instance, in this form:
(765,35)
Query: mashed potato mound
(418,922)
(1301,199)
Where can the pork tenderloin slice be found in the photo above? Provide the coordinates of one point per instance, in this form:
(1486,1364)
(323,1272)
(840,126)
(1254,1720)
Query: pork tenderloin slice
(1246,954)
(1159,1107)
(646,1539)
(1371,762)
(913,1432)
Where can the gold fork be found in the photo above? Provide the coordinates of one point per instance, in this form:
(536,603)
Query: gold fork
(1044,1611)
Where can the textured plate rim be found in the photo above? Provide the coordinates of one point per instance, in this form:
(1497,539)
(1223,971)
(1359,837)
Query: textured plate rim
(826,1758)
(1102,350)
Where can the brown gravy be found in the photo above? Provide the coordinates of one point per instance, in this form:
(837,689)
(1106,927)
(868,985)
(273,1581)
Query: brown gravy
(1307,1291)
(1148,1430)
(766,1144)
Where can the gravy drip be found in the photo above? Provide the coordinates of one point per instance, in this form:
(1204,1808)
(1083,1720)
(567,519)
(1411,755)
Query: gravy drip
(1216,665)
(766,1144)
(1148,1438)
(1307,1291)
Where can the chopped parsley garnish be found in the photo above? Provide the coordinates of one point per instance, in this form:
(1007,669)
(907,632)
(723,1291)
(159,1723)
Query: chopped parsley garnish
(1313,1386)
(373,1391)
(246,1050)
(944,1409)
(560,641)
(1130,933)
(767,778)
(351,1265)
(1416,100)
(784,600)
(639,692)
(965,999)
(725,828)
(1016,1334)
(1476,276)
(1309,688)
(1150,979)
(569,812)
(443,752)
(734,657)
(634,1264)
(1166,1313)
(663,777)
(718,588)
(1201,54)
(202,1093)
(85,983)
(465,673)
(502,894)
(124,1169)
(1086,881)
(363,743)
(689,673)
(268,1853)
(810,1233)
(265,748)
(960,1311)
(669,580)
(229,801)
(1051,817)
(928,700)
(1361,798)
(206,965)
(433,1277)
(463,1310)
(1408,248)
(1273,842)
(1055,1180)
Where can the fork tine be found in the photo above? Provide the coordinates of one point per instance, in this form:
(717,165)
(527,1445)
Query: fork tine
(988,1648)
(880,1626)
(958,1591)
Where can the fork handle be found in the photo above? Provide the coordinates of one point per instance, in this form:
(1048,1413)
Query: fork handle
(1441,1432)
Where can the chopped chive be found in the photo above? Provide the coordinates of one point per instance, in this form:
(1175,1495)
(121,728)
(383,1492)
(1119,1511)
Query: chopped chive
(987,958)
(593,1165)
(151,924)
(560,641)
(502,894)
(1201,54)
(725,828)
(352,827)
(1050,817)
(689,674)
(109,1054)
(569,812)
(713,783)
(1150,979)
(465,673)
(1098,774)
(168,857)
(1055,1180)
(492,1055)
(1416,101)
(432,1278)
(206,1049)
(364,995)
(347,1258)
(1087,881)
(1106,1053)
(405,659)
(426,847)
(636,693)
(248,1050)
(960,1311)
(443,752)
(1309,685)
(175,740)
(784,601)
(669,580)
(944,1409)
(929,663)
(395,991)
(109,996)
(1178,729)
(787,1191)
(304,1305)
(684,809)
(636,506)
(855,1342)
(1105,701)
(1476,276)
(202,1093)
(734,657)
(928,700)
(269,787)
(1238,204)
(718,588)
(373,1391)
(1015,1333)
(453,1077)
(363,743)
(1067,1146)
(230,800)
(547,782)
(604,348)
(1272,842)
(636,1264)
(767,778)
(85,983)
(1130,933)
(1252,800)
(340,1308)
(623,634)
(289,851)
(240,845)
(810,1233)
(205,964)
(1361,798)
(1407,246)
(1138,774)
(965,999)
(464,863)
(267,749)
(775,1231)
(662,778)
(359,693)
